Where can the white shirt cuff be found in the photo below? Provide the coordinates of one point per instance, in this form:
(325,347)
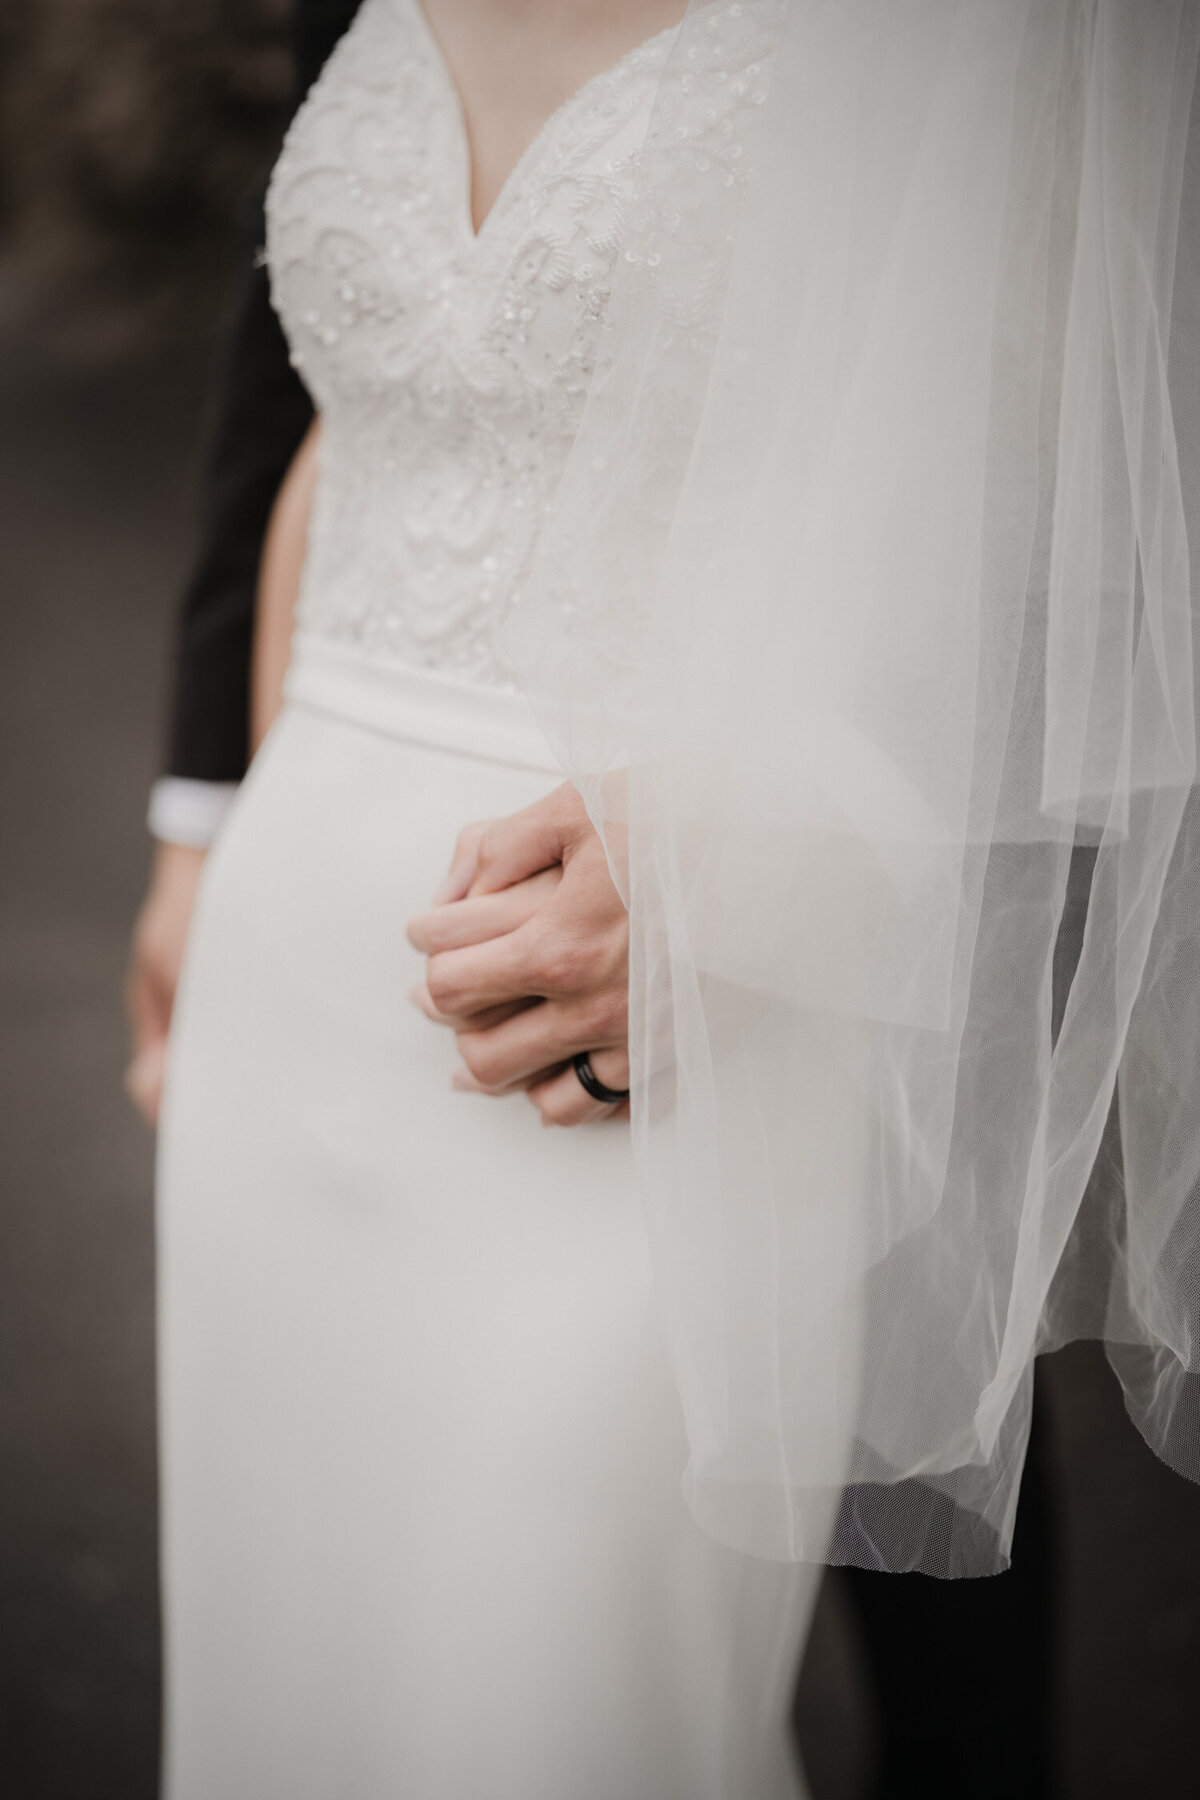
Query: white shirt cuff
(188,812)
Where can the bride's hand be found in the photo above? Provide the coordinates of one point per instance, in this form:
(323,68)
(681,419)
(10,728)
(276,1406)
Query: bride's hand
(528,959)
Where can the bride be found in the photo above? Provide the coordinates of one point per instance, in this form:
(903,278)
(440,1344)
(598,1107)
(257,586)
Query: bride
(423,1532)
(711,408)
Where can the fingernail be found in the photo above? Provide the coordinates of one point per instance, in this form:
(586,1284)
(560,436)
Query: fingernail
(463,1083)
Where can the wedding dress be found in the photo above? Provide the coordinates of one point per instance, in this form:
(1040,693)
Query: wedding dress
(422,1531)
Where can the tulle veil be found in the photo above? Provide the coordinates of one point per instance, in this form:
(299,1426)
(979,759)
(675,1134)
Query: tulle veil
(864,621)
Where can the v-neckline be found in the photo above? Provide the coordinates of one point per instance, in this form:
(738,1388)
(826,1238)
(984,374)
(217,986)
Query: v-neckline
(466,207)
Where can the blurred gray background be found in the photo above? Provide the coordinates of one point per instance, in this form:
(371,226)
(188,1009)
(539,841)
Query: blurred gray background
(131,135)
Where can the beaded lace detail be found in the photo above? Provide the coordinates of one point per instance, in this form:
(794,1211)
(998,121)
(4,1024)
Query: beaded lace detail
(450,367)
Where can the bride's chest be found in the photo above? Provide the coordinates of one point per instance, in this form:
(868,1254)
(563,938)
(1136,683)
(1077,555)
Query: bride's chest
(376,268)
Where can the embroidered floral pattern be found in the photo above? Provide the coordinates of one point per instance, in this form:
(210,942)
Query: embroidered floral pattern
(450,368)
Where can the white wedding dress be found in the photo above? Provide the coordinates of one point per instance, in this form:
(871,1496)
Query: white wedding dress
(422,1531)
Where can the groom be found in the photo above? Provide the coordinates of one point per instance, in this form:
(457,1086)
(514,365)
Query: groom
(950,1662)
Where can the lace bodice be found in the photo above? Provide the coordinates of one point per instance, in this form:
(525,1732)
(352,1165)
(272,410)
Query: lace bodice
(450,367)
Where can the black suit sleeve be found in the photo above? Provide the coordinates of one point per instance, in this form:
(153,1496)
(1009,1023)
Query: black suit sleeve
(264,412)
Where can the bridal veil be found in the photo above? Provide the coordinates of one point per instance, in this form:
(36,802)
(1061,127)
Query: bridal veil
(864,620)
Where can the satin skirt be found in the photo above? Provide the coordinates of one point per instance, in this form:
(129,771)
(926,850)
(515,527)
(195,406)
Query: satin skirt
(423,1536)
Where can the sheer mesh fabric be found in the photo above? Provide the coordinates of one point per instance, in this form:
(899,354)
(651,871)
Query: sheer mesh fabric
(865,622)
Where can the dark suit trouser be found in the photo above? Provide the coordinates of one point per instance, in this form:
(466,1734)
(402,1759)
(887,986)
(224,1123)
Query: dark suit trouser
(962,1672)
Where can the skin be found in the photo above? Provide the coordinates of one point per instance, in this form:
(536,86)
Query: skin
(284,549)
(155,957)
(529,959)
(528,949)
(515,62)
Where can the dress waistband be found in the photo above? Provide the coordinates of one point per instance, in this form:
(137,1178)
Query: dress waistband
(416,704)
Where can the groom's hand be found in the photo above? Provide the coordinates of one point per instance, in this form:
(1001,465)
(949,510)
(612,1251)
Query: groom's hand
(528,953)
(155,957)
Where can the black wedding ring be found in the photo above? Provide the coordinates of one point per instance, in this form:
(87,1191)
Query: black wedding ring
(607,1096)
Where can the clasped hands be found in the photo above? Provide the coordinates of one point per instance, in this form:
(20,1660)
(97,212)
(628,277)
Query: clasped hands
(528,959)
